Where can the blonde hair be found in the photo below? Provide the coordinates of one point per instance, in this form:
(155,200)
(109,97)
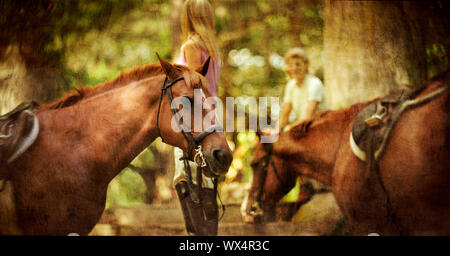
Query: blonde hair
(197,21)
(296,53)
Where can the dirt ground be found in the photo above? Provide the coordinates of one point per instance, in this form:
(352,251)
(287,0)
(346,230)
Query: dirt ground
(320,216)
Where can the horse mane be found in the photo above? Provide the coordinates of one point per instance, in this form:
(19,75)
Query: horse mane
(126,77)
(329,116)
(301,128)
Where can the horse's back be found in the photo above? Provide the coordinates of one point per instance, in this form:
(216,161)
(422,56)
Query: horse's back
(415,167)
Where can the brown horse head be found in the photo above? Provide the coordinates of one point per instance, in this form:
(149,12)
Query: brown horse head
(190,125)
(276,167)
(271,180)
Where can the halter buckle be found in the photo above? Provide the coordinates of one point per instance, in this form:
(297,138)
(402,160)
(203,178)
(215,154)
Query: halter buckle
(376,118)
(199,158)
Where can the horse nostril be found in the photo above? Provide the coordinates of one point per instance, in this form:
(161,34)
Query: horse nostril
(222,157)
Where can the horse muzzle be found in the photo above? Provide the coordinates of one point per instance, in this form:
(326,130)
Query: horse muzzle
(218,161)
(255,213)
(216,154)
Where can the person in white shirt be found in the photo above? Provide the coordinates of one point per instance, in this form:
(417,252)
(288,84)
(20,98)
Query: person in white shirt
(304,94)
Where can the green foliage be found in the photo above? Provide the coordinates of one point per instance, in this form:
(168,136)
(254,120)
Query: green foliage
(292,195)
(129,42)
(126,189)
(437,58)
(265,30)
(243,155)
(52,22)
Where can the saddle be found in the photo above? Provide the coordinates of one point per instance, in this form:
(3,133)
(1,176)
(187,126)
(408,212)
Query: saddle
(374,124)
(18,131)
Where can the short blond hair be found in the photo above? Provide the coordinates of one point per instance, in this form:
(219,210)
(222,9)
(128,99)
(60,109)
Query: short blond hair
(296,53)
(197,21)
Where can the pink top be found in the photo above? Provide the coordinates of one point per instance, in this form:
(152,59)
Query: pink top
(213,74)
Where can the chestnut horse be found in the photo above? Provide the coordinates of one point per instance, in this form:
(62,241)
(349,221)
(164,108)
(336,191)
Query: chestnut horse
(414,169)
(88,137)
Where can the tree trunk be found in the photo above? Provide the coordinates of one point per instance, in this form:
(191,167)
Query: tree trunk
(371,47)
(21,81)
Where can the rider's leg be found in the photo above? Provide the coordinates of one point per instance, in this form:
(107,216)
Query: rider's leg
(201,217)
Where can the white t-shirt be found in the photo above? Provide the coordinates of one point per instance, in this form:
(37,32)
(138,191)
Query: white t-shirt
(312,89)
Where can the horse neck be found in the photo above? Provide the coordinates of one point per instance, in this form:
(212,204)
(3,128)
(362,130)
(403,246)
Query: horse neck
(314,153)
(115,126)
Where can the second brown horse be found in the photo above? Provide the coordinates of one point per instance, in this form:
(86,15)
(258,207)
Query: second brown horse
(414,170)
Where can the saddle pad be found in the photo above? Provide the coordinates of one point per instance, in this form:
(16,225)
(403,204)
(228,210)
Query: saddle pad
(368,134)
(363,136)
(18,131)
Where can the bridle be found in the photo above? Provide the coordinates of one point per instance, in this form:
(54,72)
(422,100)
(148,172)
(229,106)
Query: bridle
(193,142)
(256,208)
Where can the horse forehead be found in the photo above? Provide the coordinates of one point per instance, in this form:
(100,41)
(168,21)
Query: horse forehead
(189,89)
(194,79)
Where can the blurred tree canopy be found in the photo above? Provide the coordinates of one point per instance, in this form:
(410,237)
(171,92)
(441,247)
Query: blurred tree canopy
(44,29)
(254,35)
(35,38)
(92,41)
(111,35)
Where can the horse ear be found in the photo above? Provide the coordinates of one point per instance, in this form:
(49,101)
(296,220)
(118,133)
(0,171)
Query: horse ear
(203,69)
(169,69)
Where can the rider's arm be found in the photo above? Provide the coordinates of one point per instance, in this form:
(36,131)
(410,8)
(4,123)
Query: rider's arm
(193,55)
(311,108)
(284,116)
